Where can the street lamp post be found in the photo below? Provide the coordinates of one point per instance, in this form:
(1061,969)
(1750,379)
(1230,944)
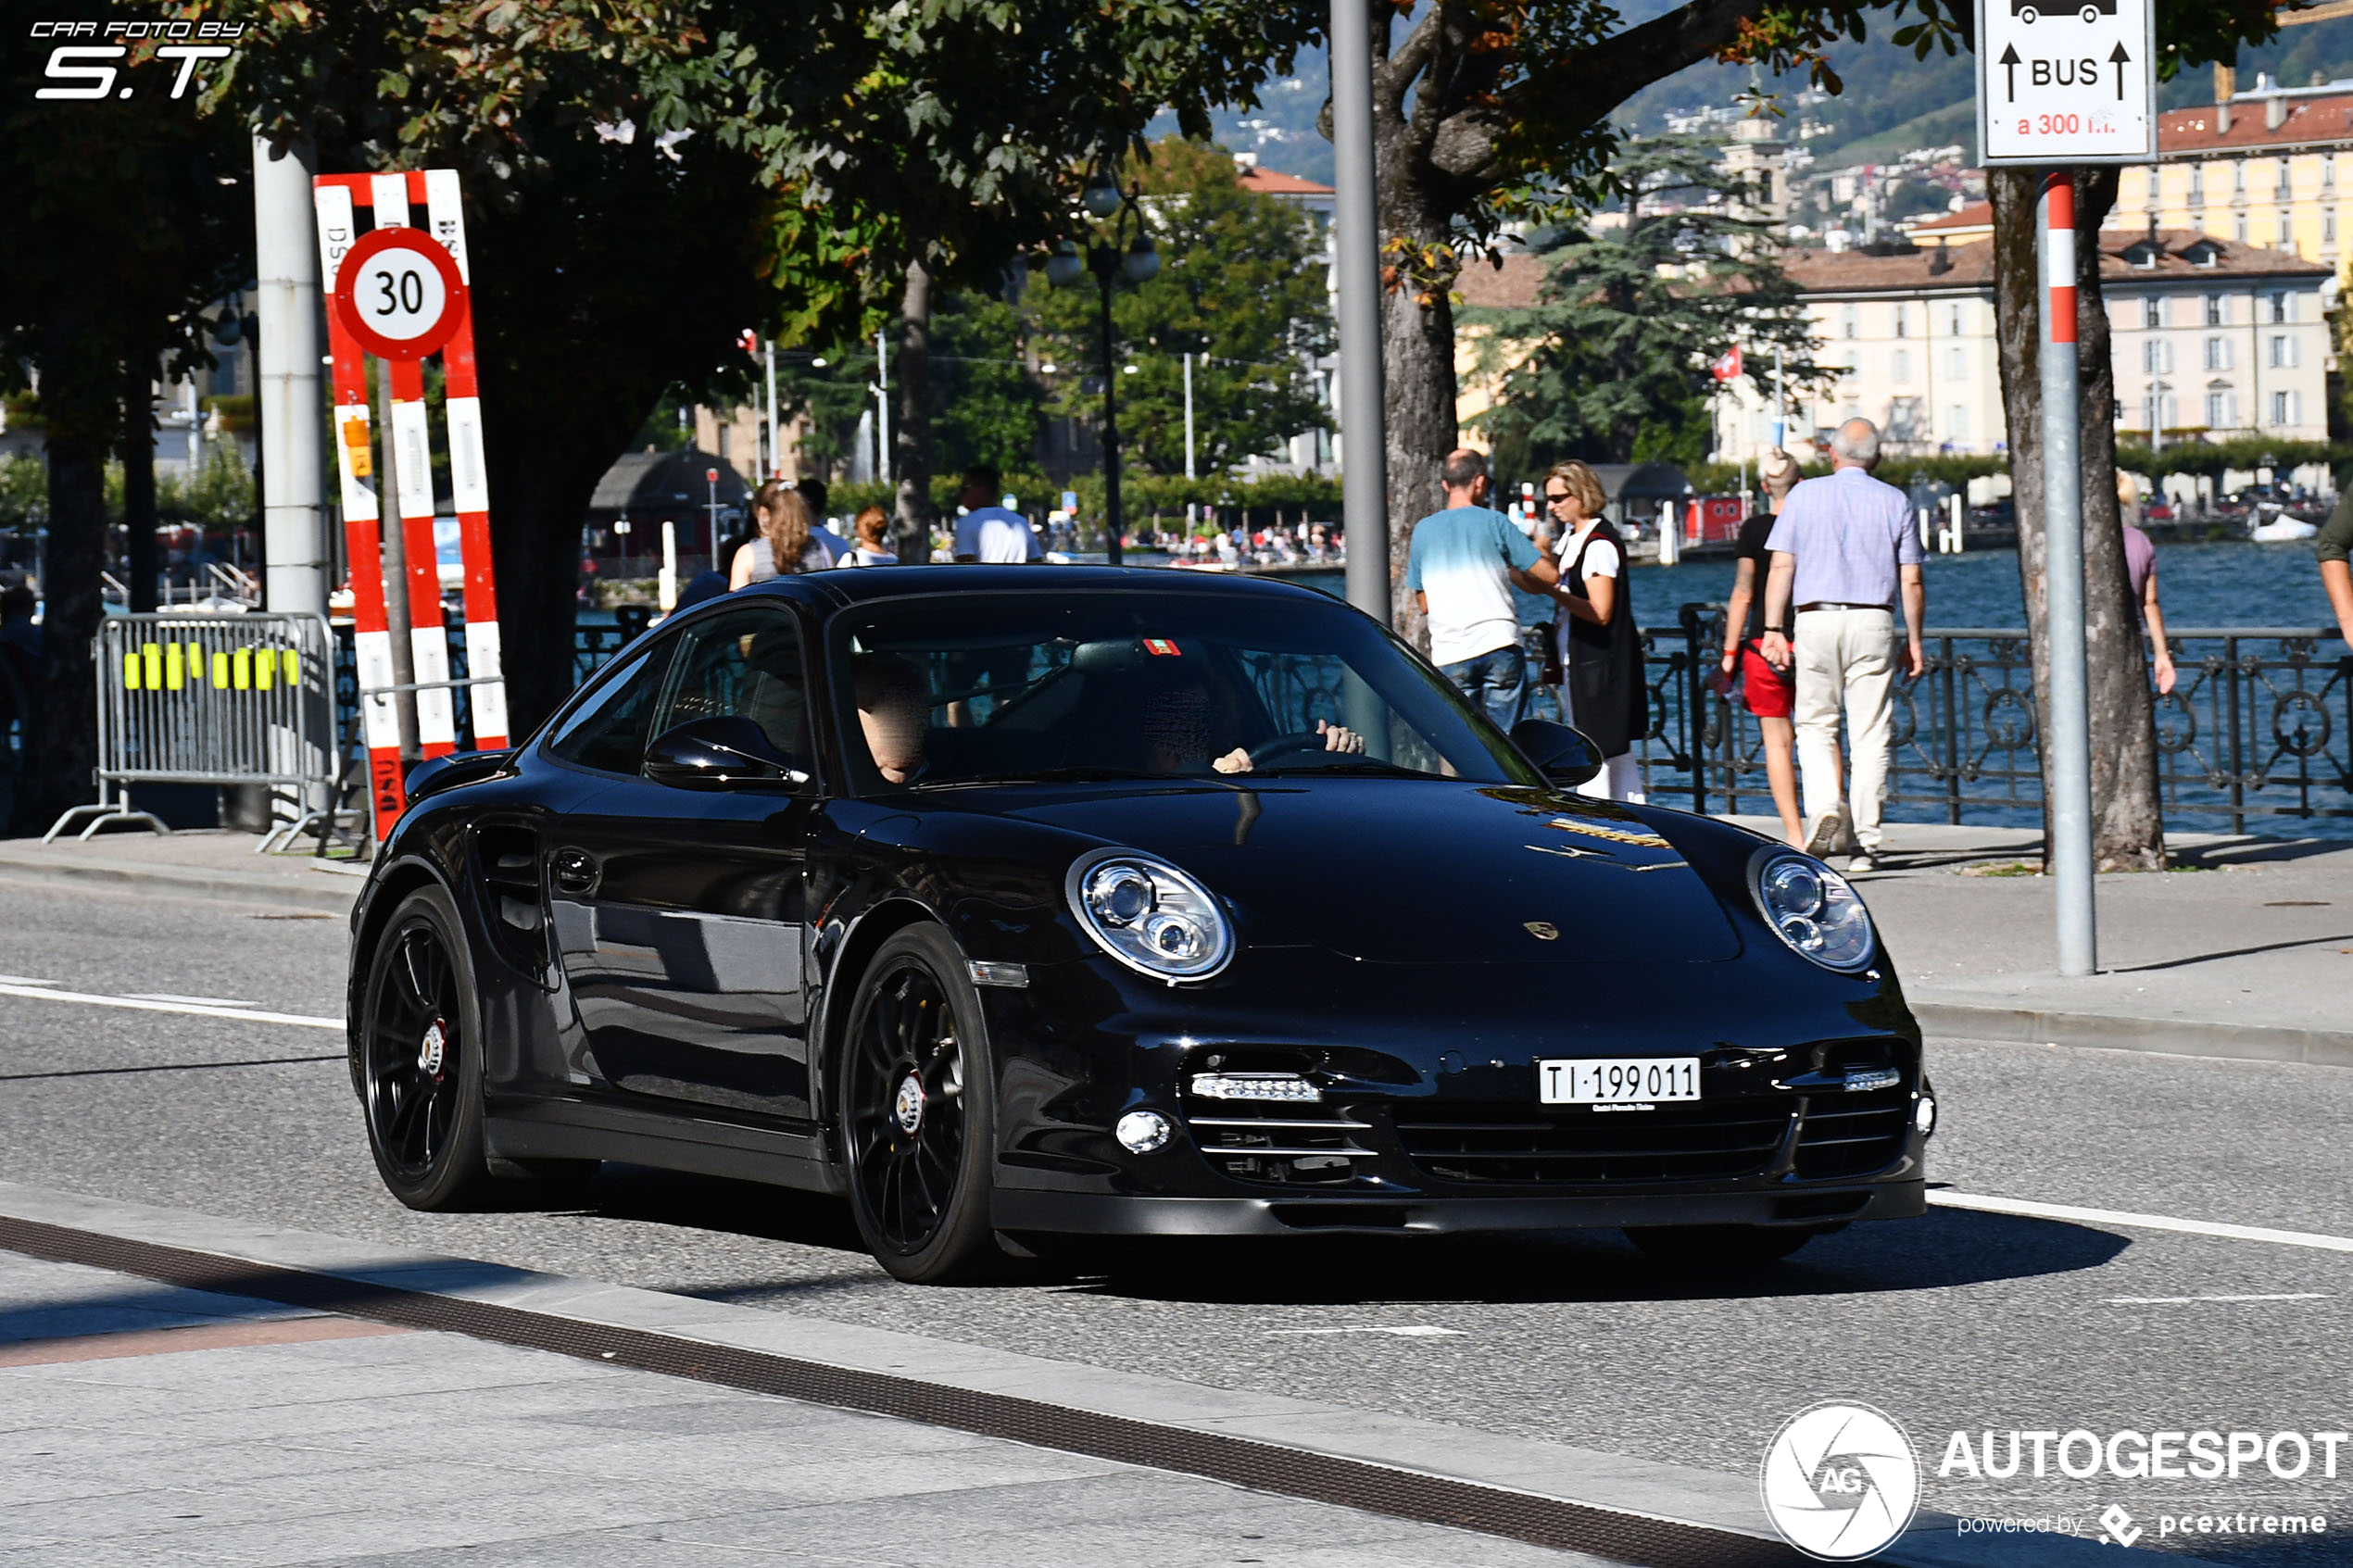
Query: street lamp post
(1139,263)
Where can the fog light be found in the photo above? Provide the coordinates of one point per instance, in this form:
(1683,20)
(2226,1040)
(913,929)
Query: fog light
(1140,1132)
(1255,1085)
(1924,1114)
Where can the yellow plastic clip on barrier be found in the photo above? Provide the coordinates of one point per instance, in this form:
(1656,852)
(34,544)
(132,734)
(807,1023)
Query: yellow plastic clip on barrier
(220,671)
(171,669)
(195,664)
(245,667)
(294,667)
(130,670)
(152,656)
(265,669)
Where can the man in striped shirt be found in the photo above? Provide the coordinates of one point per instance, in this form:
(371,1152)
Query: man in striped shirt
(1842,548)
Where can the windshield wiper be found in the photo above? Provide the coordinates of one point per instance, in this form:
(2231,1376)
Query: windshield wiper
(1365,767)
(1040,776)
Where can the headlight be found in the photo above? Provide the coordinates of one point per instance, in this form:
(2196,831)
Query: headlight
(1148,915)
(1812,907)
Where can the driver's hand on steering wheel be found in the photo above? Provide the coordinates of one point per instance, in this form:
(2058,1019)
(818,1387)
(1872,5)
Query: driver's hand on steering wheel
(1235,761)
(1337,738)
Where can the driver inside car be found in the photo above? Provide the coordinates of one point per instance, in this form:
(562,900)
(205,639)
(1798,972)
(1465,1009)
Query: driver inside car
(894,711)
(1184,721)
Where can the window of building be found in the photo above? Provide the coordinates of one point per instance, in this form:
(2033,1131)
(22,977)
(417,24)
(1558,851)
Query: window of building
(2218,310)
(2328,226)
(2288,234)
(2283,352)
(2152,313)
(2157,358)
(2238,228)
(2238,175)
(2278,304)
(1899,321)
(1903,364)
(1954,319)
(1846,314)
(2328,172)
(2218,354)
(2197,183)
(2220,414)
(2283,410)
(1956,422)
(2283,179)
(1957,364)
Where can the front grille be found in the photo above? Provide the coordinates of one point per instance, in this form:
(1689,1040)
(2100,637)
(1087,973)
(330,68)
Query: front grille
(1706,1140)
(1291,1143)
(1850,1135)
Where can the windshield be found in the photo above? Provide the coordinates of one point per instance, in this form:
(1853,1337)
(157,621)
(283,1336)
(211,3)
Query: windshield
(1140,685)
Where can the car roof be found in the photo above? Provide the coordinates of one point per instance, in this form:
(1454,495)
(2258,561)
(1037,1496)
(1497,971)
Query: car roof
(847,587)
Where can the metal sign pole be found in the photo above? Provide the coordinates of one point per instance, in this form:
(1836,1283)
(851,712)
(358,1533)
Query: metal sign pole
(2068,853)
(1356,250)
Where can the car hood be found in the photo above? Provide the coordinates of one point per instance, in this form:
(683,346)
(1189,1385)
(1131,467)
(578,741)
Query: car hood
(1412,872)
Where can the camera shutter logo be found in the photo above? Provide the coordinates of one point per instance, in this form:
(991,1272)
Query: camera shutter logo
(1841,1480)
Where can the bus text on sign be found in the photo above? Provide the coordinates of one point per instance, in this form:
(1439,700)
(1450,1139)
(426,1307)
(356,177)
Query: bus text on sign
(2066,84)
(398,293)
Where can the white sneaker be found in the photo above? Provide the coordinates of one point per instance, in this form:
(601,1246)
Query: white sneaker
(1859,862)
(1830,835)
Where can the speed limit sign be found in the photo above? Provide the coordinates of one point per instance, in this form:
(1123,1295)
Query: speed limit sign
(399,292)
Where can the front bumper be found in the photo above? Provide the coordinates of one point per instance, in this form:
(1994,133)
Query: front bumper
(1115,1214)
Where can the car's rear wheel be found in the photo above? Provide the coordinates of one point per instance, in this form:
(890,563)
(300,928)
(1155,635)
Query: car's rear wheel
(918,1113)
(421,1059)
(1719,1245)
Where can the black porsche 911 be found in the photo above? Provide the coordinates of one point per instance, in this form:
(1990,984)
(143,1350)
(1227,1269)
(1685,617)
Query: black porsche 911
(1010,902)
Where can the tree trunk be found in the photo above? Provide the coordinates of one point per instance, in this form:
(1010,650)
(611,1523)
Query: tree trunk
(536,515)
(1418,358)
(81,412)
(2128,818)
(910,440)
(144,551)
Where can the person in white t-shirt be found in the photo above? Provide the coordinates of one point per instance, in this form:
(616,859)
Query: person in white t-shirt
(987,531)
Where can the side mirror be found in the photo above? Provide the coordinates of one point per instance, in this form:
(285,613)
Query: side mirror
(1566,757)
(723,752)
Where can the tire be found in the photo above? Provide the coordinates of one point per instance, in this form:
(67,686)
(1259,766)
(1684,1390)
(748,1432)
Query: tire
(1719,1245)
(421,1060)
(918,1117)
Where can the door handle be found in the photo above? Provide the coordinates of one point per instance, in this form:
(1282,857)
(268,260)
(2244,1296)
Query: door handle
(576,872)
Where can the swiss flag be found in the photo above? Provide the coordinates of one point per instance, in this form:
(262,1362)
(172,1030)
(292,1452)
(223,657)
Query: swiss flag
(748,341)
(1728,365)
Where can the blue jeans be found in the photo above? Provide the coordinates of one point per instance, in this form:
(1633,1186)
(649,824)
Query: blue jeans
(1496,682)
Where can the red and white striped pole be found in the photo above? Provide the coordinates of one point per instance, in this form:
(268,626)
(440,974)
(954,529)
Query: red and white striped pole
(363,544)
(2067,735)
(469,479)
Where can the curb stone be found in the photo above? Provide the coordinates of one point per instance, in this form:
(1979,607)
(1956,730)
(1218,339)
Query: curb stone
(2248,1042)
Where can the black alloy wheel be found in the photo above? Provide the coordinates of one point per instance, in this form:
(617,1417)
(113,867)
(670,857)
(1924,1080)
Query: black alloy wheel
(918,1118)
(420,1062)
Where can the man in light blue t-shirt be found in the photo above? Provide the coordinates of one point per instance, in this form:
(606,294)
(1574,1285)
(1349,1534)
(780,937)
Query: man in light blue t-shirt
(1461,570)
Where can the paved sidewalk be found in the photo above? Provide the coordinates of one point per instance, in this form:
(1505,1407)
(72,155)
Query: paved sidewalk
(2246,949)
(212,864)
(146,1425)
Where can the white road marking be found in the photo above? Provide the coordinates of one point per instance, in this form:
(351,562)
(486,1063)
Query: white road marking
(23,980)
(2034,1210)
(43,993)
(2185,1300)
(200,1001)
(1409,1331)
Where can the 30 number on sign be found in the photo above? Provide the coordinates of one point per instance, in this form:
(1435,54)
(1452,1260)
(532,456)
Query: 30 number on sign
(399,292)
(399,295)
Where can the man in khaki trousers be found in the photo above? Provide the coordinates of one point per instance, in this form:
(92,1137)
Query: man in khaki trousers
(1842,548)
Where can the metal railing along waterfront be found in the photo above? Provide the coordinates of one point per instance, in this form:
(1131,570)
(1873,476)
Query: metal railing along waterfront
(218,700)
(2258,729)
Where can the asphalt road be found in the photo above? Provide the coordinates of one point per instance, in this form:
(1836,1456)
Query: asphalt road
(1958,1322)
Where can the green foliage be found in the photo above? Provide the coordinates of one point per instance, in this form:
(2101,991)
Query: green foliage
(1236,288)
(986,407)
(1610,364)
(1141,495)
(2246,454)
(24,492)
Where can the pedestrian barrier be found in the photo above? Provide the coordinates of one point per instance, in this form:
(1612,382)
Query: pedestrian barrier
(230,700)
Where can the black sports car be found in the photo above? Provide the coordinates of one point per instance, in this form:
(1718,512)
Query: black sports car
(1009,901)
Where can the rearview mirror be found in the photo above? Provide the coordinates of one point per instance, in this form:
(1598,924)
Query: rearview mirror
(1566,757)
(726,751)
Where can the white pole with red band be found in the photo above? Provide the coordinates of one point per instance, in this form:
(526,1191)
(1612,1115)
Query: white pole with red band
(2069,735)
(399,292)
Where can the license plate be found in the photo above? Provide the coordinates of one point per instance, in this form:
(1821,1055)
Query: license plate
(1641,1080)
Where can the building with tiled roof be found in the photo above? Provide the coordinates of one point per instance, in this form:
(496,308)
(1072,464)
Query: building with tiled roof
(2260,166)
(2209,336)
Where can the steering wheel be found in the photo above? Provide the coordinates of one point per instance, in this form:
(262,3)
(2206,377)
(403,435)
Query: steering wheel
(1297,740)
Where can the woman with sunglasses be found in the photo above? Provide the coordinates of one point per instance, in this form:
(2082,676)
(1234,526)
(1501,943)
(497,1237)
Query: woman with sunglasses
(1602,649)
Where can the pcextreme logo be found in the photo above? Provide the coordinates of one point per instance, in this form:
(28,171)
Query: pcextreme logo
(1841,1480)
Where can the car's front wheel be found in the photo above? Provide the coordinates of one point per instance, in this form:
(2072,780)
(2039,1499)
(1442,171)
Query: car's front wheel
(918,1117)
(1719,1245)
(421,1059)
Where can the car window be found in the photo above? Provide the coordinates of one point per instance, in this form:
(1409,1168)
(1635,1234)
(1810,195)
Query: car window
(745,664)
(1147,685)
(609,731)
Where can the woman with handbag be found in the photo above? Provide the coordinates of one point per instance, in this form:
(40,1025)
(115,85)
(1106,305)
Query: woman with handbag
(1603,694)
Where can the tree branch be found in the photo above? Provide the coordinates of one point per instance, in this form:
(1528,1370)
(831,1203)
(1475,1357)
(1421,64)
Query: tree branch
(1623,64)
(1393,76)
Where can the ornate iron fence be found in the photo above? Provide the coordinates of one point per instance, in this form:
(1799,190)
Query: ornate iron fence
(2258,725)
